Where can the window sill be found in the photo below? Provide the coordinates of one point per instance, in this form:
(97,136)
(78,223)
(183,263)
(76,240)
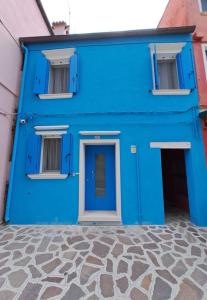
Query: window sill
(55,96)
(48,176)
(181,92)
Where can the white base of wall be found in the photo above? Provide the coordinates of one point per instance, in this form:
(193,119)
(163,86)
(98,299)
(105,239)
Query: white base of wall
(99,216)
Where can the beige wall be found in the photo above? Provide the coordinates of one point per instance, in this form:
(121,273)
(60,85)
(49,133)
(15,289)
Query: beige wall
(18,18)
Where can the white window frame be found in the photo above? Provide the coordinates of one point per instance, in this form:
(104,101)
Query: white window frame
(56,131)
(200,7)
(57,57)
(166,49)
(204,49)
(99,216)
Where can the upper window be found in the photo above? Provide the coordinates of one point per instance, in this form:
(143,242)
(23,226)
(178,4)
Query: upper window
(203,5)
(169,70)
(49,154)
(204,49)
(56,74)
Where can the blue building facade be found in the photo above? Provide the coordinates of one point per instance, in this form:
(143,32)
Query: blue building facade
(97,113)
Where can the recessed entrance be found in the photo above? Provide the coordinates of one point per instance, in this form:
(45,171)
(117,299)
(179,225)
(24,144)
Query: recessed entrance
(175,190)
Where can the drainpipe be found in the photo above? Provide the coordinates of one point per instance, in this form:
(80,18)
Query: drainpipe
(11,176)
(138,188)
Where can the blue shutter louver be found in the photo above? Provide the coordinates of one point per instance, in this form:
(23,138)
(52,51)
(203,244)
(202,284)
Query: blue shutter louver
(187,68)
(33,154)
(41,76)
(156,75)
(66,154)
(180,71)
(73,73)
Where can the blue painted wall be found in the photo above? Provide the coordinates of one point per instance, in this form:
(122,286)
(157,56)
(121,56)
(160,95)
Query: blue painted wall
(115,82)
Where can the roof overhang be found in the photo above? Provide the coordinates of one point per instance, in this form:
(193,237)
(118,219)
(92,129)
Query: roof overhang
(108,35)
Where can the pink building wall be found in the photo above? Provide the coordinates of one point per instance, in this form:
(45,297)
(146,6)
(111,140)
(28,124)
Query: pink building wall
(18,18)
(187,12)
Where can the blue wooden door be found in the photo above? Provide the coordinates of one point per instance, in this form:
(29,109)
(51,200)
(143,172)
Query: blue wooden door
(100,192)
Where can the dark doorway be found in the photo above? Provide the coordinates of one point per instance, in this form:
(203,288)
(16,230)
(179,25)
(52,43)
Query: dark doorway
(175,190)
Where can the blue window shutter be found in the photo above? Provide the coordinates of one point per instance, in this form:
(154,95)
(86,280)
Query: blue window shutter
(41,76)
(156,75)
(33,154)
(180,70)
(73,73)
(188,68)
(66,154)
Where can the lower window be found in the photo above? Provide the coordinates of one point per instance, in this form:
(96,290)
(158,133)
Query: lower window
(51,153)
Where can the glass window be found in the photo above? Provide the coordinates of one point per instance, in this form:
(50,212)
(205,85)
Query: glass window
(204,5)
(167,73)
(58,79)
(51,154)
(100,175)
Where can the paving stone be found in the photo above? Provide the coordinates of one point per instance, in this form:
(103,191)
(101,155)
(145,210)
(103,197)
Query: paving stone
(30,249)
(67,266)
(162,290)
(189,291)
(50,292)
(125,240)
(138,268)
(23,262)
(52,265)
(3,262)
(34,271)
(78,261)
(15,246)
(199,276)
(7,295)
(166,275)
(4,254)
(153,258)
(203,267)
(86,273)
(154,237)
(84,253)
(2,280)
(107,285)
(7,236)
(109,265)
(75,239)
(166,237)
(122,267)
(91,287)
(44,244)
(94,260)
(93,297)
(181,243)
(4,271)
(53,247)
(137,295)
(53,279)
(71,277)
(82,246)
(190,238)
(117,250)
(179,269)
(191,261)
(17,278)
(107,240)
(74,293)
(31,291)
(195,251)
(100,249)
(150,246)
(58,239)
(145,238)
(146,282)
(179,249)
(135,250)
(122,284)
(41,258)
(69,255)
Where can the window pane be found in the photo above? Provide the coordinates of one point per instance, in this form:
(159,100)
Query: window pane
(51,155)
(59,79)
(204,5)
(167,71)
(100,175)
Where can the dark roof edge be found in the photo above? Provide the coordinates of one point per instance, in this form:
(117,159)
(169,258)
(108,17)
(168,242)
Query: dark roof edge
(43,13)
(105,35)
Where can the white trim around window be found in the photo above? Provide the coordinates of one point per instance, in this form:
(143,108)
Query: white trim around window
(181,92)
(204,50)
(99,216)
(99,132)
(55,96)
(171,145)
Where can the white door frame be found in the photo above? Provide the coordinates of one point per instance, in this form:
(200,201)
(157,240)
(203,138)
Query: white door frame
(103,216)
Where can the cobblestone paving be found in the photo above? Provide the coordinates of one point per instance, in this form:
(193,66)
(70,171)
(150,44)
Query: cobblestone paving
(103,262)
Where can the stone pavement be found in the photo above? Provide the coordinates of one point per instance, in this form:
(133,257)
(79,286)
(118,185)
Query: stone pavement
(103,262)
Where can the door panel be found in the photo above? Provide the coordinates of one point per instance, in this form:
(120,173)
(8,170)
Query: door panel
(100,192)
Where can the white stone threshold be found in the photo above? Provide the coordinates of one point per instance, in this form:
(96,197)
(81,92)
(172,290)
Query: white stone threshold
(99,216)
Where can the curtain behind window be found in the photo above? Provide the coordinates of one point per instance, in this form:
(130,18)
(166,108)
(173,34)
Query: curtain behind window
(51,155)
(167,71)
(59,79)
